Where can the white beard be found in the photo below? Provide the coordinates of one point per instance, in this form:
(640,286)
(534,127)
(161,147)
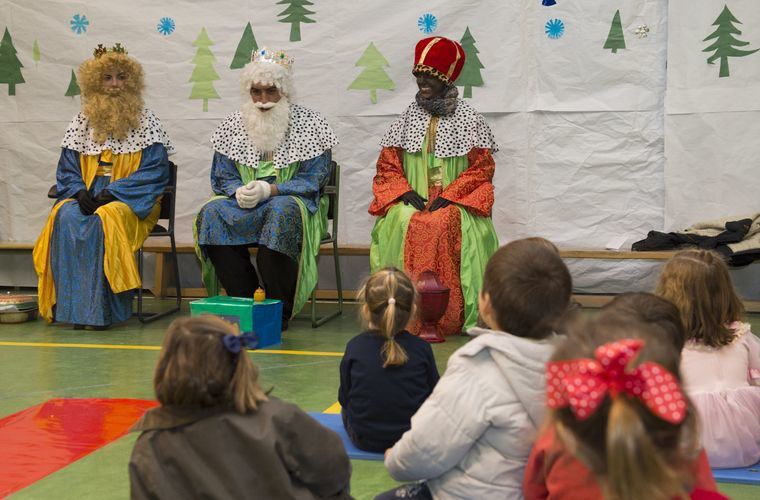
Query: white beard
(266,128)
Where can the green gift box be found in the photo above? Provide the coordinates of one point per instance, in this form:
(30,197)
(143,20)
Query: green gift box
(263,318)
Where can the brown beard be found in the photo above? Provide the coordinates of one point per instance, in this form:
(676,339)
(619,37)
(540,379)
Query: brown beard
(112,113)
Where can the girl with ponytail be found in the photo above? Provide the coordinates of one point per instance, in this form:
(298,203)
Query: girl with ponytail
(386,372)
(620,425)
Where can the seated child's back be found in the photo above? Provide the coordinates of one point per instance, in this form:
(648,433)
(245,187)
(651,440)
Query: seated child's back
(386,373)
(472,437)
(217,435)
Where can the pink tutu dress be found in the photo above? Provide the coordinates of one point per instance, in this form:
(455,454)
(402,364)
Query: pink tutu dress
(723,384)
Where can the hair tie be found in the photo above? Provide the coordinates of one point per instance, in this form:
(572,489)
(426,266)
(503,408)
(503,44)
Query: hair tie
(391,301)
(235,343)
(582,384)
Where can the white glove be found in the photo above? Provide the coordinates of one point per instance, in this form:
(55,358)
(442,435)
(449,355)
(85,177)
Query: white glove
(245,197)
(260,190)
(253,193)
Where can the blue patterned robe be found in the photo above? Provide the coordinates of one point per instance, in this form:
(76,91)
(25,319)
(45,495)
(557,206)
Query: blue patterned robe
(83,295)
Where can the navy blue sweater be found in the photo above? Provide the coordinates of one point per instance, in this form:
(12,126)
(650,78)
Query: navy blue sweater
(378,402)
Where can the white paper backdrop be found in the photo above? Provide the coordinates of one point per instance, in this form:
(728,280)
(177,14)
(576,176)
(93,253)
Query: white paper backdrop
(582,130)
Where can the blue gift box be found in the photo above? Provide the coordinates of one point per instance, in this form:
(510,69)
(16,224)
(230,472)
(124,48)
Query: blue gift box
(263,318)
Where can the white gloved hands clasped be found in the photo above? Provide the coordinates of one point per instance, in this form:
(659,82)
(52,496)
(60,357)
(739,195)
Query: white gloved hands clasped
(253,193)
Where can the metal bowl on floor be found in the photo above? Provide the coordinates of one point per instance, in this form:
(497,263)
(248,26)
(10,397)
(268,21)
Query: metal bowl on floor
(18,308)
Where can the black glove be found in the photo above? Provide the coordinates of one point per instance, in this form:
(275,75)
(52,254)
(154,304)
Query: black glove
(439,202)
(86,204)
(104,197)
(414,199)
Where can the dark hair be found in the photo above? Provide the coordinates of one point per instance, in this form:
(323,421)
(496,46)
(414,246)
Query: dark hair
(649,308)
(529,287)
(633,453)
(195,368)
(388,316)
(698,283)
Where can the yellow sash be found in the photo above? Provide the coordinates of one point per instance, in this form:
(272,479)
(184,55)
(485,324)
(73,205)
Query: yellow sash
(123,232)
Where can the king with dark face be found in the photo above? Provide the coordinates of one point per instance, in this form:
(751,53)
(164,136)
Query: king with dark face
(433,186)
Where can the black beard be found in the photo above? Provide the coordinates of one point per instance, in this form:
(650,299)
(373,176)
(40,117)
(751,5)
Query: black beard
(443,105)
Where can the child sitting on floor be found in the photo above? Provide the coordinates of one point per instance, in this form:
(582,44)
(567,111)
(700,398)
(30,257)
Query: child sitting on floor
(218,435)
(386,372)
(721,359)
(472,436)
(620,425)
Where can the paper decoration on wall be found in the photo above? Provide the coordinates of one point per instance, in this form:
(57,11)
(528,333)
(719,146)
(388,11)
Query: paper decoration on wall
(244,49)
(35,52)
(79,24)
(10,65)
(548,3)
(73,86)
(295,14)
(373,77)
(166,26)
(427,23)
(616,38)
(642,31)
(725,44)
(204,73)
(470,75)
(554,28)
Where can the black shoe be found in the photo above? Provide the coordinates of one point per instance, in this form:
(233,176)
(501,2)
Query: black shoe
(98,328)
(78,327)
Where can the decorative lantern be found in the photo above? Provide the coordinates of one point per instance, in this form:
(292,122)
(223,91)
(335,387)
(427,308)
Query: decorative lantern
(434,297)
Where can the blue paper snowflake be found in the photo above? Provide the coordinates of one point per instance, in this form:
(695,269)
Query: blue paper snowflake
(554,28)
(165,26)
(427,23)
(548,3)
(79,24)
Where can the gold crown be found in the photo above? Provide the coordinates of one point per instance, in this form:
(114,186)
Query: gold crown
(100,50)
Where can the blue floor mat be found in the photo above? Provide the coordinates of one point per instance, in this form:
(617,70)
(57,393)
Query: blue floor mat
(742,475)
(334,422)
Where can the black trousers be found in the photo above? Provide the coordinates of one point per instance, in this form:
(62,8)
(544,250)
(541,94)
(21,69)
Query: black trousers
(238,276)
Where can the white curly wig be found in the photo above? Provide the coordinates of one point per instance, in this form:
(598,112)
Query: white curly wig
(267,73)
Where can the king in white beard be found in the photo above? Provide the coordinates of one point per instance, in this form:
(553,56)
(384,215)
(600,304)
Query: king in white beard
(270,160)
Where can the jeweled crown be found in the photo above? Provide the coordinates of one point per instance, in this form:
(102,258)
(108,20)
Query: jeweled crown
(266,55)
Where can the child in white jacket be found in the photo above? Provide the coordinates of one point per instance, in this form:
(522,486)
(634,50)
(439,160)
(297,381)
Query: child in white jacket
(472,437)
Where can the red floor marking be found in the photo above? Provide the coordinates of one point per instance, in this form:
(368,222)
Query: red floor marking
(45,438)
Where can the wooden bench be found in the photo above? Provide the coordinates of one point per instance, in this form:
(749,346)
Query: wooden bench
(161,278)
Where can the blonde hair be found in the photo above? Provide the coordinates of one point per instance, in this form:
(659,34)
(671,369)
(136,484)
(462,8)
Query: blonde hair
(115,115)
(388,304)
(195,369)
(633,453)
(698,283)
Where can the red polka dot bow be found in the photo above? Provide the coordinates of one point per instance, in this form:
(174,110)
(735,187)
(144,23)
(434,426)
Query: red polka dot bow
(582,384)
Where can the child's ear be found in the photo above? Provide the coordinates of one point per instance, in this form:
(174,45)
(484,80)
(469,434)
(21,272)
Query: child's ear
(486,310)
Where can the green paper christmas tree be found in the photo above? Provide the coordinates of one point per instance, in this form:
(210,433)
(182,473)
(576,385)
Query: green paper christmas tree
(373,77)
(36,52)
(616,38)
(725,43)
(295,14)
(204,74)
(470,75)
(73,86)
(244,49)
(10,65)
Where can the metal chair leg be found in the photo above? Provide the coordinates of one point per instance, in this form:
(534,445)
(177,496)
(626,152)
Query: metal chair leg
(315,322)
(149,317)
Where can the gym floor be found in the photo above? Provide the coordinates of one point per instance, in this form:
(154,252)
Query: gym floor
(39,362)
